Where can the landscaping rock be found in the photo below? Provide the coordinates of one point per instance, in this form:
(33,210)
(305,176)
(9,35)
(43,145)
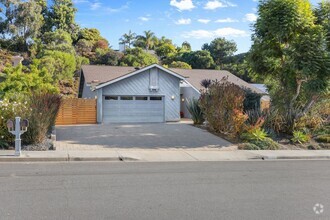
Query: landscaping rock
(44,146)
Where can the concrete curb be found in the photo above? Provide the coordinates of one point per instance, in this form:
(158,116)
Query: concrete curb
(66,159)
(295,157)
(155,156)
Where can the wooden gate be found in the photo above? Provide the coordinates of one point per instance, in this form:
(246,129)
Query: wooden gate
(77,111)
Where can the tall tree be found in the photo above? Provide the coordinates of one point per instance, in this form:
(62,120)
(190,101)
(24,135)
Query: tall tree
(146,41)
(137,57)
(128,39)
(22,21)
(220,49)
(322,13)
(199,59)
(290,52)
(62,16)
(186,46)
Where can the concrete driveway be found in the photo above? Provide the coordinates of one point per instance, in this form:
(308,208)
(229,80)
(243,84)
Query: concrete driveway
(136,136)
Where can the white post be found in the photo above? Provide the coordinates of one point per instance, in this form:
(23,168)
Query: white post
(18,136)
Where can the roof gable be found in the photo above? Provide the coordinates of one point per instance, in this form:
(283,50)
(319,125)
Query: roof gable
(137,72)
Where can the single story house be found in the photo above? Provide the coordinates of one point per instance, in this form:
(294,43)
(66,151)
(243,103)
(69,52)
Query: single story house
(148,94)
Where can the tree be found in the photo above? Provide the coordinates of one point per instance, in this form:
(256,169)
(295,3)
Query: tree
(23,21)
(179,65)
(238,66)
(147,41)
(107,57)
(138,58)
(220,49)
(84,47)
(57,40)
(89,34)
(200,59)
(185,47)
(322,13)
(290,52)
(128,39)
(165,50)
(62,16)
(60,65)
(23,81)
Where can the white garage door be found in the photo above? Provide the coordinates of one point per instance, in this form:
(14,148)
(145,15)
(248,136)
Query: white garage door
(119,109)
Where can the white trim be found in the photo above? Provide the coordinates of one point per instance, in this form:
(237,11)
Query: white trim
(137,72)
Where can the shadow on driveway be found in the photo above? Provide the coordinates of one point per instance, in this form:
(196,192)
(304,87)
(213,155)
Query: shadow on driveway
(152,136)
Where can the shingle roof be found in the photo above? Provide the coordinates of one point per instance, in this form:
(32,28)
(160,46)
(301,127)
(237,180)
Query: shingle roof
(195,76)
(95,74)
(102,74)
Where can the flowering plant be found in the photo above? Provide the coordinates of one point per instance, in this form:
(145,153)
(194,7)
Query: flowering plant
(10,110)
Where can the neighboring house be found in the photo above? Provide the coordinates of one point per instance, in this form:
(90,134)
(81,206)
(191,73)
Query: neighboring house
(149,94)
(265,99)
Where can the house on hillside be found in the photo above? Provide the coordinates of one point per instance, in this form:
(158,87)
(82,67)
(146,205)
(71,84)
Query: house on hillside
(149,94)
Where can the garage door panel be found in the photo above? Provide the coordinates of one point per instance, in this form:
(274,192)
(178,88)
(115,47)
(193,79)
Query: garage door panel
(117,111)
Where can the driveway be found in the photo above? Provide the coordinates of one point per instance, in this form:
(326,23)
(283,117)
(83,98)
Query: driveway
(135,136)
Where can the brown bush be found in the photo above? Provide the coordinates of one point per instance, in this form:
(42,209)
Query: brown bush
(44,108)
(222,104)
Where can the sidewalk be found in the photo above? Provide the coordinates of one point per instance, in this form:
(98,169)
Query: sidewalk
(179,155)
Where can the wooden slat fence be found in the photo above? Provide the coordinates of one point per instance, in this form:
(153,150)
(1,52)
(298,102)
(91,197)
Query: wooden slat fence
(77,111)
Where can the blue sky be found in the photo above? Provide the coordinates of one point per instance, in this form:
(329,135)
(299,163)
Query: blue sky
(195,21)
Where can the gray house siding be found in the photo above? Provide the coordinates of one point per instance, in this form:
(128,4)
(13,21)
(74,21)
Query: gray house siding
(88,93)
(169,86)
(188,93)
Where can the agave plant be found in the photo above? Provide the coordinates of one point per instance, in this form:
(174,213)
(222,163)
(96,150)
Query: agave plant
(195,111)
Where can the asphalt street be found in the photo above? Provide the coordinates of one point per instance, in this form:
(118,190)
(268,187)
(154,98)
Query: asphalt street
(198,190)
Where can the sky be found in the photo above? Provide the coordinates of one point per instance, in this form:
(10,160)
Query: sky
(195,21)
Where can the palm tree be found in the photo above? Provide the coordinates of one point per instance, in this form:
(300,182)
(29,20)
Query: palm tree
(147,40)
(128,38)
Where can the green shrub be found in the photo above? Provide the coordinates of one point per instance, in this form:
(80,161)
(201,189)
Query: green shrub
(323,138)
(266,144)
(248,146)
(195,111)
(3,144)
(274,121)
(256,134)
(44,108)
(300,137)
(252,100)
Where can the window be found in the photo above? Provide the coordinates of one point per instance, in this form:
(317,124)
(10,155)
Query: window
(156,98)
(141,98)
(111,97)
(126,98)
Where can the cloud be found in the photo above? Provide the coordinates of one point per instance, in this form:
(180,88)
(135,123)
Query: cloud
(226,20)
(250,17)
(183,21)
(182,5)
(221,32)
(95,5)
(204,21)
(144,18)
(214,4)
(121,8)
